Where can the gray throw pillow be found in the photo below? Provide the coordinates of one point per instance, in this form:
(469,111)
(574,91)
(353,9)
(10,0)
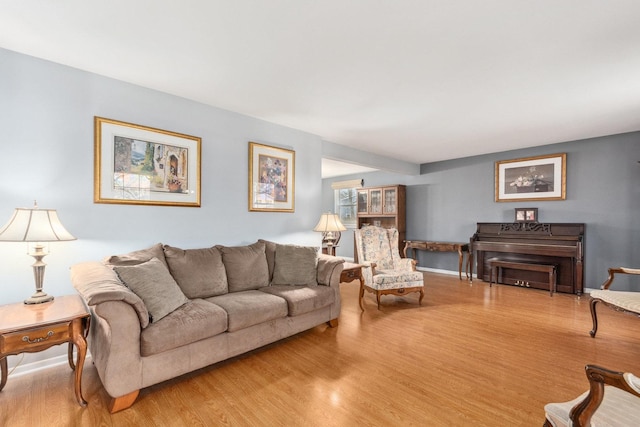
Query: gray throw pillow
(246,266)
(270,252)
(137,257)
(295,265)
(200,273)
(153,283)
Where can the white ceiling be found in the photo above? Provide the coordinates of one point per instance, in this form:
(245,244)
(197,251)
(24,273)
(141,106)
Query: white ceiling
(415,80)
(333,168)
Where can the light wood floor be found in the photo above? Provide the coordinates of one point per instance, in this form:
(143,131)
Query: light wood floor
(469,356)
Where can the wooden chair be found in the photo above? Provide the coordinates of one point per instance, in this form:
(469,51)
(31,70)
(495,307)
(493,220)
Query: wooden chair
(385,272)
(627,302)
(613,399)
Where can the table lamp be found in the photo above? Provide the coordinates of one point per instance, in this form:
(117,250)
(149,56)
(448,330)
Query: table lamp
(329,223)
(35,225)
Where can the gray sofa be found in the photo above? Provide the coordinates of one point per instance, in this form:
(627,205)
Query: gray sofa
(162,312)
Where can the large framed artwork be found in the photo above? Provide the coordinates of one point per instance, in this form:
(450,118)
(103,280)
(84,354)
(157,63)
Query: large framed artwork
(271,178)
(139,165)
(531,178)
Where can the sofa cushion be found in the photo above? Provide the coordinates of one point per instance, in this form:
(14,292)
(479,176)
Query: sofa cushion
(193,321)
(270,252)
(153,283)
(303,299)
(137,257)
(295,265)
(200,273)
(249,308)
(246,266)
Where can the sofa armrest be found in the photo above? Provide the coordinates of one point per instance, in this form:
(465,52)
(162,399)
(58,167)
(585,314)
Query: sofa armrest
(118,316)
(97,283)
(329,269)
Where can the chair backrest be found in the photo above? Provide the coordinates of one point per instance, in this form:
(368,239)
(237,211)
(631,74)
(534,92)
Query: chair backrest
(379,245)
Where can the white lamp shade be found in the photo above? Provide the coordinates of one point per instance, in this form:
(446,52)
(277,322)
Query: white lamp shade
(329,222)
(34,225)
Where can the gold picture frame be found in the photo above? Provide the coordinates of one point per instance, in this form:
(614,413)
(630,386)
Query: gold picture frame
(531,178)
(271,178)
(140,165)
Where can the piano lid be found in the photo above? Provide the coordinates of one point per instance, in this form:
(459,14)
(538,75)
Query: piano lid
(529,230)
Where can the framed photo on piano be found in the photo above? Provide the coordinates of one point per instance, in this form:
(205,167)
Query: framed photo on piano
(526,215)
(531,178)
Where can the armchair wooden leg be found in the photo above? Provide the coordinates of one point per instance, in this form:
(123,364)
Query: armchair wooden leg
(333,323)
(378,299)
(123,402)
(594,317)
(421,296)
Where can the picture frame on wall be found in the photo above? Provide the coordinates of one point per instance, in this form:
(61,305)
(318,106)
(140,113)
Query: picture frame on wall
(271,178)
(526,214)
(531,178)
(141,165)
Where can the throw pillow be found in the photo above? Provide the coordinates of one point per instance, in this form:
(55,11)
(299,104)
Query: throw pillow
(270,251)
(200,273)
(246,266)
(295,265)
(137,257)
(153,283)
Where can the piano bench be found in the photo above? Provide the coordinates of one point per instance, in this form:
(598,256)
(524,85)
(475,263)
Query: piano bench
(496,265)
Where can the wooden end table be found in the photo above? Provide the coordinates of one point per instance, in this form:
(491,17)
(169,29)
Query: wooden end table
(29,328)
(460,248)
(351,272)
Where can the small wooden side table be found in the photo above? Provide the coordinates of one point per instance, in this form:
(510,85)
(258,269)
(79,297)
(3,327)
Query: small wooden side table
(351,272)
(32,328)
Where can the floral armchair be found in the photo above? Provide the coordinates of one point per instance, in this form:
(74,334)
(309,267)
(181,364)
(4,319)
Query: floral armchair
(385,272)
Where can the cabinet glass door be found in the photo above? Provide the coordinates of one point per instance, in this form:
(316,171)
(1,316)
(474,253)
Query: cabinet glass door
(376,201)
(363,201)
(390,200)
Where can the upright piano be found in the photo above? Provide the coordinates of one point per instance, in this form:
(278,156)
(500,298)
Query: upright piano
(560,244)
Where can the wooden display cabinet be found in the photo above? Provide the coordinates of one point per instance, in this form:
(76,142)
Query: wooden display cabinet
(384,206)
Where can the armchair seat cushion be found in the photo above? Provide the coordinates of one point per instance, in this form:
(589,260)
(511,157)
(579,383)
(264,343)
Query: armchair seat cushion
(303,299)
(394,279)
(629,301)
(194,321)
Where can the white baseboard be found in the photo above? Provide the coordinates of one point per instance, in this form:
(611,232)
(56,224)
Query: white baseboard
(40,365)
(437,270)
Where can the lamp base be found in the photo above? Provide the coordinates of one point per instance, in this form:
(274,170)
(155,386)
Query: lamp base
(38,298)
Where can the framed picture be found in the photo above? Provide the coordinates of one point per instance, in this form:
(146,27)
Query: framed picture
(526,214)
(139,165)
(271,178)
(532,178)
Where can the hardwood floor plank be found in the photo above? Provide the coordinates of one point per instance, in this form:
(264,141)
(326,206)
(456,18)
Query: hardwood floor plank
(470,355)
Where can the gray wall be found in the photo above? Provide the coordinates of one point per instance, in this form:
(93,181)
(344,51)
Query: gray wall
(46,117)
(448,198)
